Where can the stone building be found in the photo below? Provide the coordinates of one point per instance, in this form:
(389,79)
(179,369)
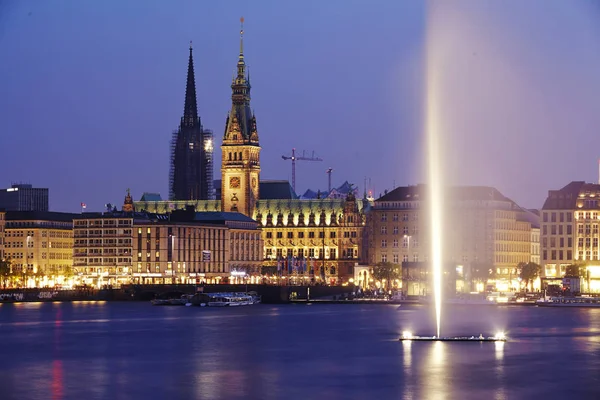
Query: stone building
(183,246)
(39,245)
(570,234)
(483,231)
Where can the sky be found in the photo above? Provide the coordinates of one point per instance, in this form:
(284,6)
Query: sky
(91,91)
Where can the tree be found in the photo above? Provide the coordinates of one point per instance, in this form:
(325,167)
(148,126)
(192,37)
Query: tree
(529,272)
(576,270)
(387,271)
(6,272)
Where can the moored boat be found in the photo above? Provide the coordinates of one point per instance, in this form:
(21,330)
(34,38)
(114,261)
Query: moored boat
(589,302)
(223,299)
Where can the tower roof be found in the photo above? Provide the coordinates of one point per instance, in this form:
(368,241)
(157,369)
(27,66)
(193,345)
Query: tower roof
(190,109)
(241,123)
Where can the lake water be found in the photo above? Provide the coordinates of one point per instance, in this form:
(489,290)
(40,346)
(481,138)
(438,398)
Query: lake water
(133,350)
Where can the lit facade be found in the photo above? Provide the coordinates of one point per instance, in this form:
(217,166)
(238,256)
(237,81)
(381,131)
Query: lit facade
(40,247)
(240,161)
(484,230)
(570,233)
(183,247)
(2,224)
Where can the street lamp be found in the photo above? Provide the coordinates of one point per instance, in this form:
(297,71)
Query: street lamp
(24,271)
(171,258)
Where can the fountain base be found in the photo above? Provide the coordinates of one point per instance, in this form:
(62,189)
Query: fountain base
(407,336)
(451,339)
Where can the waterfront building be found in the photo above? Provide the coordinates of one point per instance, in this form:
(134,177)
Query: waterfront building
(2,224)
(316,240)
(39,245)
(183,246)
(24,197)
(486,234)
(570,235)
(191,173)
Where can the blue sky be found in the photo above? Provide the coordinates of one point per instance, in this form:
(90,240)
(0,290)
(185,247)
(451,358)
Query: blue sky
(91,91)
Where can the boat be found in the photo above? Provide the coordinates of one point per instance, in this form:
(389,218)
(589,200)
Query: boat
(224,299)
(171,299)
(588,302)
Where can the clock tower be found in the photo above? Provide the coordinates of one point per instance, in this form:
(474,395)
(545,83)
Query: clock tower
(240,164)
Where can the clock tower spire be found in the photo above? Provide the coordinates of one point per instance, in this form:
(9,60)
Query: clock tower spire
(240,164)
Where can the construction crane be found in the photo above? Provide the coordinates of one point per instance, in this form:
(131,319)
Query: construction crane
(329,171)
(303,157)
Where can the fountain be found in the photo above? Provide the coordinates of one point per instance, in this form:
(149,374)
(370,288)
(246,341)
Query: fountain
(436,179)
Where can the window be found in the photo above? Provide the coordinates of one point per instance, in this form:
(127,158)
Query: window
(384,258)
(395,258)
(269,235)
(395,242)
(279,235)
(383,217)
(405,217)
(545,217)
(395,217)
(405,230)
(301,235)
(290,235)
(405,258)
(384,243)
(569,229)
(384,230)
(311,235)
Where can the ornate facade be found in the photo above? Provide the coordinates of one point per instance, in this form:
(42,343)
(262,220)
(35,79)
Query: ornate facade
(240,160)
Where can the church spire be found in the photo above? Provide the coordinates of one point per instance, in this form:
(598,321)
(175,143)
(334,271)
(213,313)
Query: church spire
(190,109)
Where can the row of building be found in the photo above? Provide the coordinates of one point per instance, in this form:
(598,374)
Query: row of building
(293,241)
(245,227)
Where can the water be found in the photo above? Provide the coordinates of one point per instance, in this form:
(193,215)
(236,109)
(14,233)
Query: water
(135,350)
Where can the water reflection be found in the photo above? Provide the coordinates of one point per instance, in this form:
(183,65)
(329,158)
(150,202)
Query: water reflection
(436,372)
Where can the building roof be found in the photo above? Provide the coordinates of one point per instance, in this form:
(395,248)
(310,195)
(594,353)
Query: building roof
(566,198)
(40,216)
(151,197)
(419,192)
(273,190)
(221,216)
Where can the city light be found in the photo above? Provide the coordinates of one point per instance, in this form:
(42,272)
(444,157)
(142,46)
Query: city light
(406,335)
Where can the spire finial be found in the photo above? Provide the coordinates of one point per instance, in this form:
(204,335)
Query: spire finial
(241,35)
(190,45)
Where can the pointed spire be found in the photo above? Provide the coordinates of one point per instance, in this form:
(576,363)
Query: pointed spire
(242,37)
(190,108)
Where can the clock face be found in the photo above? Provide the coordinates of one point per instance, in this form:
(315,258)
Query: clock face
(253,182)
(234,182)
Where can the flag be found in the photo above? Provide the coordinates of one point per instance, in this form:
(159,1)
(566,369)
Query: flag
(83,205)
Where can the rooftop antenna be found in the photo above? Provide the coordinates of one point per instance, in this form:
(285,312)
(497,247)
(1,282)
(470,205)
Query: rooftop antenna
(329,179)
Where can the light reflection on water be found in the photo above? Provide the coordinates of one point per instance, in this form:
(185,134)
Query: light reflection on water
(272,352)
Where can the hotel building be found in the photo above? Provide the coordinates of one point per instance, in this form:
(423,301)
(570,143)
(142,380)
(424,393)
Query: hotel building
(39,245)
(484,231)
(183,246)
(570,234)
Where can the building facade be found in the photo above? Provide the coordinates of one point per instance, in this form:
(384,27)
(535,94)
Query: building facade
(191,173)
(39,246)
(483,231)
(570,233)
(24,197)
(181,247)
(2,225)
